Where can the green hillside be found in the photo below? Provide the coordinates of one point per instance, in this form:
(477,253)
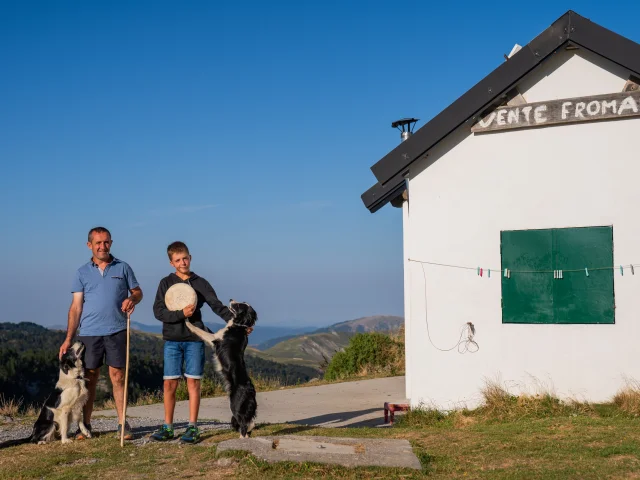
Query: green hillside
(309,350)
(29,364)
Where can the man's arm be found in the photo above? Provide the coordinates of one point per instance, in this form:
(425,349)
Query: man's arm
(75,312)
(129,304)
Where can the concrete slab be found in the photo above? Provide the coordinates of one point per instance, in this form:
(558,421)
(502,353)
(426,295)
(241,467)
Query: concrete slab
(349,452)
(348,404)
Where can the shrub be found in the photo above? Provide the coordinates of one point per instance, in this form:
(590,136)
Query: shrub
(367,354)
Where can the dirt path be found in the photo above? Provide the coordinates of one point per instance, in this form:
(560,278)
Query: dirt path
(337,405)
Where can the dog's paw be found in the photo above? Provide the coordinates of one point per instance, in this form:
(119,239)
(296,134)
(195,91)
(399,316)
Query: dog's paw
(42,442)
(66,440)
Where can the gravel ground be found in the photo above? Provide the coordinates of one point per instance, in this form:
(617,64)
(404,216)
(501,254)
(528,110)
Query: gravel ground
(140,427)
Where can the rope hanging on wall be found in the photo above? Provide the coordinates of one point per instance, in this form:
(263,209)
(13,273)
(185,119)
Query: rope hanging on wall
(466,342)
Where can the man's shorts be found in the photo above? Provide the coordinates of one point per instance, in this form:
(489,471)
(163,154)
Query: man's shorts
(112,347)
(183,358)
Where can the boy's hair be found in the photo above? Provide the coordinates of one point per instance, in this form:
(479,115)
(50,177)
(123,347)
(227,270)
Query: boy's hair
(97,230)
(177,247)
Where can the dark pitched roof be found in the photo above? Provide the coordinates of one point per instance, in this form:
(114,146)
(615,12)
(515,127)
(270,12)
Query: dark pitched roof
(491,90)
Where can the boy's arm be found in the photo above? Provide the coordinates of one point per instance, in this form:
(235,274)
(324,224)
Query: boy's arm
(160,309)
(216,305)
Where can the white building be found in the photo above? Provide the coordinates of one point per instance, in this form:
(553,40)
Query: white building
(536,170)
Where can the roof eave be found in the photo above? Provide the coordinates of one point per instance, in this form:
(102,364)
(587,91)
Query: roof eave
(476,100)
(378,196)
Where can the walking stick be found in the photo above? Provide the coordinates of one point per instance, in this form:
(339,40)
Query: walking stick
(126,383)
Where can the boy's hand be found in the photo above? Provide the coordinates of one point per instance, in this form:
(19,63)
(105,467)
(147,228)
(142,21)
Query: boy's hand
(249,330)
(188,310)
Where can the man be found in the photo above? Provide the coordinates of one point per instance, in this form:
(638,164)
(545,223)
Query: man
(100,305)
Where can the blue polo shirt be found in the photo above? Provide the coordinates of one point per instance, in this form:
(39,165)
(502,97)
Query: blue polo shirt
(104,292)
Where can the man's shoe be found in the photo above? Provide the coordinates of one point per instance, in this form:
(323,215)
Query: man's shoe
(127,431)
(192,435)
(165,433)
(80,436)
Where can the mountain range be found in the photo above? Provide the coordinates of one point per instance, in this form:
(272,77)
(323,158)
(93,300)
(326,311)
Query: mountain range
(308,347)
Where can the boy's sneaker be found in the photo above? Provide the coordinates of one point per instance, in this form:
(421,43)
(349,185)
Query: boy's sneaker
(192,435)
(165,433)
(127,431)
(80,436)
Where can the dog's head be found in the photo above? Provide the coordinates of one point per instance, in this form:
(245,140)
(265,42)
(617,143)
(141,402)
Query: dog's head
(243,314)
(73,358)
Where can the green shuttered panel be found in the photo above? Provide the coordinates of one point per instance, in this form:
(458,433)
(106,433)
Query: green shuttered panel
(576,298)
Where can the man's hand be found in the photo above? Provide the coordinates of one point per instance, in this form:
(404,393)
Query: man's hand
(63,348)
(188,310)
(128,306)
(249,330)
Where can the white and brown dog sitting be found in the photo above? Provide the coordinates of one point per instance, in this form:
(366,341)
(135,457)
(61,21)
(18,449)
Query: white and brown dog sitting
(229,344)
(64,404)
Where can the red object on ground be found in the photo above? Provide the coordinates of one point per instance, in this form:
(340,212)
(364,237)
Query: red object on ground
(392,408)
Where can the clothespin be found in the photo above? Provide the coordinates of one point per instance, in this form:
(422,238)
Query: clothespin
(555,274)
(561,276)
(632,270)
(489,273)
(586,271)
(507,273)
(621,270)
(478,271)
(481,272)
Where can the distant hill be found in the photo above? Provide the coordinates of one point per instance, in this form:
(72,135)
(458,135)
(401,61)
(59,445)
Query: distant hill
(308,350)
(312,349)
(376,323)
(261,334)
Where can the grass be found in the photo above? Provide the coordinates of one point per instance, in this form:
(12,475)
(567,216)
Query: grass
(628,398)
(11,407)
(559,446)
(533,436)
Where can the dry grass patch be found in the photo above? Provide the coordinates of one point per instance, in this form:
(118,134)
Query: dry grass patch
(628,398)
(500,404)
(11,407)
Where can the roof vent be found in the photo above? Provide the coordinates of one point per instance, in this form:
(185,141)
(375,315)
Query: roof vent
(516,48)
(405,125)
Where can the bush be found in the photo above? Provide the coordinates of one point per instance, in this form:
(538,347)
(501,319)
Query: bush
(367,354)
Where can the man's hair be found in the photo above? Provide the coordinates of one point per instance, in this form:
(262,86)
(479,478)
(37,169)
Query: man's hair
(97,230)
(177,247)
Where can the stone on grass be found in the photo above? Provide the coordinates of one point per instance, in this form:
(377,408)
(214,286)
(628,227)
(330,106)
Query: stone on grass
(348,452)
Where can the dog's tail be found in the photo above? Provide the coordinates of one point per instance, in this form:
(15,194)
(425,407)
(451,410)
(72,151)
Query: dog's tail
(13,443)
(206,336)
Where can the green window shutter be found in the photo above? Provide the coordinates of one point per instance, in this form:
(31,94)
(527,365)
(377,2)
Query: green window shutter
(576,298)
(527,297)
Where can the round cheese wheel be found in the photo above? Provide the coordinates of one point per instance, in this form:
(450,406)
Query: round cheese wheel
(179,296)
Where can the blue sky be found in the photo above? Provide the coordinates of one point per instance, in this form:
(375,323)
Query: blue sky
(245,129)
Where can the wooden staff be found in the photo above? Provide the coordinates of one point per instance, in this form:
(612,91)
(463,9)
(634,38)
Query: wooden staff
(126,383)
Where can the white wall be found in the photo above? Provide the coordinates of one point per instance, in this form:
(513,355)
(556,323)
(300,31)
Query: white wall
(472,187)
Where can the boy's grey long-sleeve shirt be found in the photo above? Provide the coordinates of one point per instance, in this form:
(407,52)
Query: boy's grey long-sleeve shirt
(173,323)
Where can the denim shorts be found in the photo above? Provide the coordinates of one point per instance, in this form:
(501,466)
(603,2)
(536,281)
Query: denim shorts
(183,358)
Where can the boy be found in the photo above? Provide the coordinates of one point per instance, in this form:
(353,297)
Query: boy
(181,346)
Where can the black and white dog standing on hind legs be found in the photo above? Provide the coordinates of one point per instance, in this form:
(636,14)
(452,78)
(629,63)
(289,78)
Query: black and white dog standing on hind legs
(64,404)
(229,344)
